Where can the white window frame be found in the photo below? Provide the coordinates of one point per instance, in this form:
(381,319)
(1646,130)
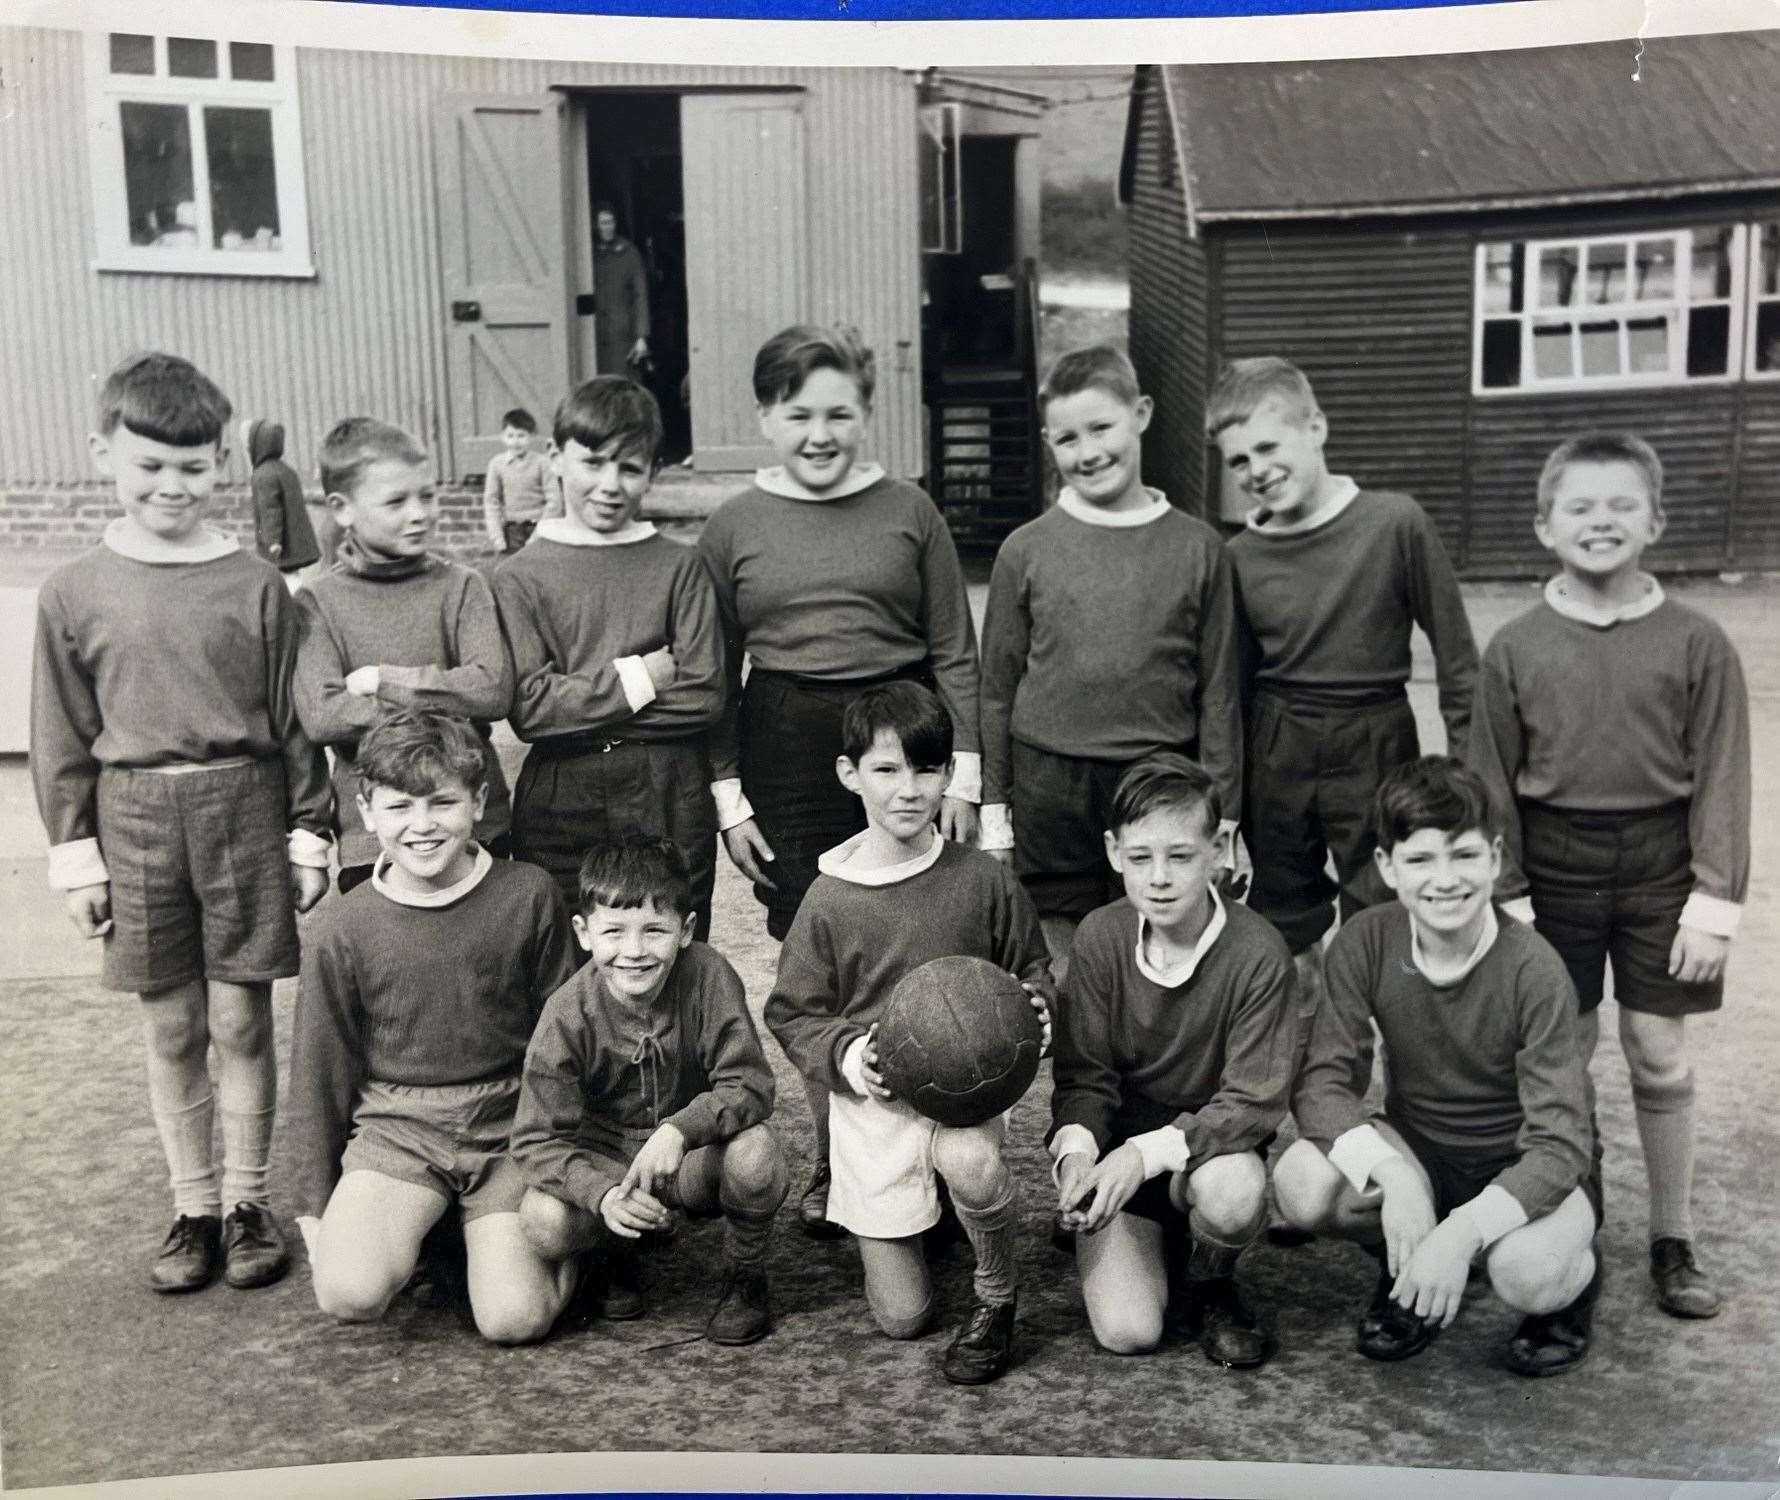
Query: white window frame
(107,91)
(1757,300)
(1678,308)
(942,131)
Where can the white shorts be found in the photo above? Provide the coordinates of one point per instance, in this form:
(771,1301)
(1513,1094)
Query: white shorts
(881,1155)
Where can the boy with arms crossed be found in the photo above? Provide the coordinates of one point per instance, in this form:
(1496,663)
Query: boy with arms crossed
(420,992)
(187,812)
(645,1089)
(1484,1148)
(1613,730)
(389,626)
(888,900)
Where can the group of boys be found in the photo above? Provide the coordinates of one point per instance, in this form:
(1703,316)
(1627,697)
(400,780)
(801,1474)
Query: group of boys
(1146,691)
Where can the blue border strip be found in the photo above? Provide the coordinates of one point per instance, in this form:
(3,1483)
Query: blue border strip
(937,10)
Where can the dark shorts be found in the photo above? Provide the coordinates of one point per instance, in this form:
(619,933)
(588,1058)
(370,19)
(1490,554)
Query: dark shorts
(450,1139)
(200,877)
(1061,805)
(515,534)
(1611,886)
(1460,1174)
(570,798)
(1312,775)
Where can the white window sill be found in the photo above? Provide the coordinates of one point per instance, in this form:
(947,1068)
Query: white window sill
(222,263)
(1606,383)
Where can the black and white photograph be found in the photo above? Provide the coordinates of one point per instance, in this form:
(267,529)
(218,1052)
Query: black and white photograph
(731,763)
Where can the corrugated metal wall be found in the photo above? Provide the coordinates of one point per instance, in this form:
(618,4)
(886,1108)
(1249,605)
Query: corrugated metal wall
(365,334)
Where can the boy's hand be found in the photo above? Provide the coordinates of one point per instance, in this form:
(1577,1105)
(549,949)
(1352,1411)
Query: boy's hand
(874,1080)
(658,1161)
(749,852)
(1432,1285)
(307,886)
(89,906)
(1697,957)
(629,1214)
(1043,1007)
(364,681)
(1406,1215)
(958,820)
(659,664)
(1072,1176)
(275,551)
(1107,1188)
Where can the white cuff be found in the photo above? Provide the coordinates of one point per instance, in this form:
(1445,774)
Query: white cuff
(967,776)
(1521,909)
(1711,914)
(76,863)
(634,678)
(305,848)
(1493,1213)
(853,1066)
(996,831)
(1071,1140)
(1356,1152)
(1162,1150)
(732,806)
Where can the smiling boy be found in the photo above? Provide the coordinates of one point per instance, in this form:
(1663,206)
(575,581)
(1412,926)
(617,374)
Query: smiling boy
(521,488)
(1484,1145)
(1613,730)
(616,653)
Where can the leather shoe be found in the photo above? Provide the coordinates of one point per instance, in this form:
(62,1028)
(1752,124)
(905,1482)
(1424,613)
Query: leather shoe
(624,1285)
(1683,1290)
(253,1247)
(1554,1343)
(743,1314)
(984,1347)
(1229,1334)
(1389,1331)
(189,1256)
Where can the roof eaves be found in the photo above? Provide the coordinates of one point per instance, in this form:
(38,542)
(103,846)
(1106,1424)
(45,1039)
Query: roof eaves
(1581,197)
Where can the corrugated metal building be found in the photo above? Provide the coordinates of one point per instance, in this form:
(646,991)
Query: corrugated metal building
(1473,256)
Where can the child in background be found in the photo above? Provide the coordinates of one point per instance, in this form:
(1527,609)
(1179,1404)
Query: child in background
(1612,727)
(1175,1055)
(420,992)
(887,901)
(187,812)
(281,527)
(645,1089)
(521,488)
(617,661)
(391,626)
(1110,634)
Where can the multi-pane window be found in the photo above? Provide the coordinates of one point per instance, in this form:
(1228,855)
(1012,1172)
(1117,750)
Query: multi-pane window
(197,156)
(1764,302)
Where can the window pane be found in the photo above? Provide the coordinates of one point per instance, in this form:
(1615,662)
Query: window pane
(243,182)
(1503,278)
(250,62)
(1501,353)
(1767,337)
(1709,341)
(1606,274)
(1768,262)
(1647,345)
(1600,349)
(132,54)
(1711,263)
(1655,268)
(191,57)
(1557,276)
(158,174)
(1551,351)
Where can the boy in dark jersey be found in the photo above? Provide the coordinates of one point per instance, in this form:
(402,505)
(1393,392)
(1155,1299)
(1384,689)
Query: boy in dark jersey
(1612,727)
(1484,1147)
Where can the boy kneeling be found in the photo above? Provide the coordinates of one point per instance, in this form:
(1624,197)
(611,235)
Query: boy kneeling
(1174,1060)
(646,1089)
(419,994)
(1485,1143)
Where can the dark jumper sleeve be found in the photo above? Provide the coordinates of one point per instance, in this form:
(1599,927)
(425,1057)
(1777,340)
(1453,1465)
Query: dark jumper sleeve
(1007,635)
(65,723)
(326,1071)
(547,1126)
(1259,1056)
(1330,1096)
(695,698)
(1219,710)
(1496,751)
(1718,750)
(329,714)
(945,620)
(309,794)
(1084,1079)
(1439,608)
(741,1083)
(725,738)
(800,1012)
(1555,1139)
(546,699)
(479,683)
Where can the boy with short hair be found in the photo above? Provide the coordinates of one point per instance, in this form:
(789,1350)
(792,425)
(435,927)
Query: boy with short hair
(1329,580)
(521,489)
(616,653)
(885,902)
(187,812)
(1175,1054)
(420,993)
(1484,1147)
(645,1089)
(1110,634)
(1612,727)
(390,625)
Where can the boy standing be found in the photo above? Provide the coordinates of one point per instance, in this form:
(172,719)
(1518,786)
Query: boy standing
(390,626)
(521,488)
(1329,580)
(616,654)
(1484,1146)
(1175,1055)
(886,901)
(1110,634)
(186,811)
(1613,729)
(420,992)
(645,1089)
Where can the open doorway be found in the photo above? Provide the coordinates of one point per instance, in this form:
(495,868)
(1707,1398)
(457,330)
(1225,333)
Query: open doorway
(635,167)
(973,288)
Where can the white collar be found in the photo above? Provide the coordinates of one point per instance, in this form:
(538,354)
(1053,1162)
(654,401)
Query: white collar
(1178,975)
(1346,492)
(1095,515)
(572,533)
(775,481)
(124,537)
(1485,941)
(834,862)
(480,864)
(1558,596)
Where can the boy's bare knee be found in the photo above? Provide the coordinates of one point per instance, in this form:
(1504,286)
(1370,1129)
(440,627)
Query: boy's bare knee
(1229,1194)
(1531,1281)
(754,1171)
(970,1161)
(1306,1187)
(1126,1332)
(513,1318)
(241,1031)
(547,1225)
(352,1296)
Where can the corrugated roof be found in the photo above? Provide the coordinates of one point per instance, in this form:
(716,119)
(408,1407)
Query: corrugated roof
(1475,130)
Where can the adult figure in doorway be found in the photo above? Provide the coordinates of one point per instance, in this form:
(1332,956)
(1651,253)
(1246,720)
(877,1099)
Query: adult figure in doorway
(620,299)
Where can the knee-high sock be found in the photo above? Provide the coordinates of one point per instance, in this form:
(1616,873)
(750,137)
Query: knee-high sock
(746,1233)
(246,1090)
(1665,1126)
(992,1238)
(185,1127)
(1213,1256)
